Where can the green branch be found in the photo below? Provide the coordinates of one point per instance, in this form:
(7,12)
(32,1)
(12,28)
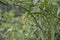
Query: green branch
(31,15)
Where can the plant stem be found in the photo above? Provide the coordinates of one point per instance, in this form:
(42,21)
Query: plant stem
(31,15)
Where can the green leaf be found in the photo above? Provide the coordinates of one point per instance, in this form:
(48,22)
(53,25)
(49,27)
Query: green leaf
(3,3)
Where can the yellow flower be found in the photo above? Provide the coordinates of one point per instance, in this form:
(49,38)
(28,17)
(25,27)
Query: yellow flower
(25,20)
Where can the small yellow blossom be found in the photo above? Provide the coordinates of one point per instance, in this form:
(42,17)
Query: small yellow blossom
(25,20)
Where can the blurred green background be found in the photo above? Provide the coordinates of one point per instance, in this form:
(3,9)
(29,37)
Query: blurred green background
(29,19)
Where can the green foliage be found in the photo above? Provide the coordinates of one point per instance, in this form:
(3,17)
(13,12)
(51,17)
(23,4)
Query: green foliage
(40,21)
